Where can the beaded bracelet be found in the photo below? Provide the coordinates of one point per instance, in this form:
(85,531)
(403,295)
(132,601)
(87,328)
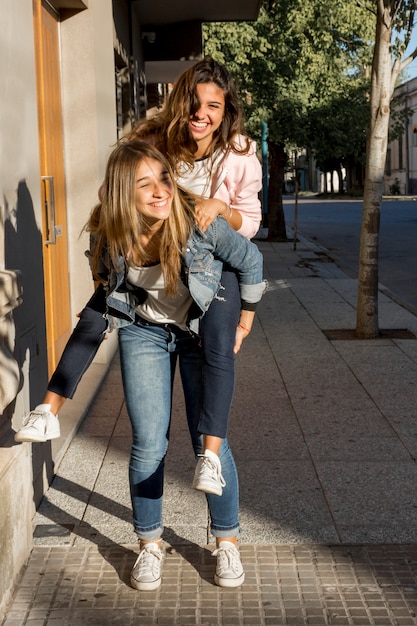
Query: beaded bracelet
(230,214)
(244,328)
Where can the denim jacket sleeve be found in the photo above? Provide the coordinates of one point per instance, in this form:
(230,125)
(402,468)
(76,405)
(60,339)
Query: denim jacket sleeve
(121,299)
(206,251)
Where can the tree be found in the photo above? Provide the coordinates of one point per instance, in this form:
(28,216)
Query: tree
(337,134)
(296,57)
(394,23)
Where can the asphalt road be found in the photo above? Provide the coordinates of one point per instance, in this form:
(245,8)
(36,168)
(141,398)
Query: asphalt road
(336,225)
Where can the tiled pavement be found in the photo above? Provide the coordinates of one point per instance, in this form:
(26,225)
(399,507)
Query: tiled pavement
(285,584)
(324,436)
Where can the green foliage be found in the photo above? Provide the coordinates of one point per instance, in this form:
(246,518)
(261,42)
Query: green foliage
(395,188)
(338,128)
(404,12)
(298,61)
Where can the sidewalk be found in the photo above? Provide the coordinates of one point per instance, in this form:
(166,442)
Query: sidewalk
(324,434)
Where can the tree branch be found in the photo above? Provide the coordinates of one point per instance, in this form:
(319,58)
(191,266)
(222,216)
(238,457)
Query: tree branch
(381,7)
(408,60)
(409,28)
(362,5)
(396,69)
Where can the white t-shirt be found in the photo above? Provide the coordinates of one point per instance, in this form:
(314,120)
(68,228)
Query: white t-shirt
(198,178)
(159,308)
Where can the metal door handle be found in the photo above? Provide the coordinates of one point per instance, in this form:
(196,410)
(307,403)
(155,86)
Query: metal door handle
(49,204)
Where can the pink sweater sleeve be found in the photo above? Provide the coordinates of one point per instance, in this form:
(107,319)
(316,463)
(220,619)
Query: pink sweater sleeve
(240,189)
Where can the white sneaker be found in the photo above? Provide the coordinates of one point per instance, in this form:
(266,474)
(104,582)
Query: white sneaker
(146,572)
(208,474)
(39,425)
(229,570)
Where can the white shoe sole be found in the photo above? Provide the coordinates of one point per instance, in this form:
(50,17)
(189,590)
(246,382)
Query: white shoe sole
(21,437)
(213,489)
(142,586)
(229,582)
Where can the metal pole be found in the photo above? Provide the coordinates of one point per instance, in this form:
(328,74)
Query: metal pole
(264,149)
(296,186)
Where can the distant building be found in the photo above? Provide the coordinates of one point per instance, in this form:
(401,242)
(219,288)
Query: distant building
(401,162)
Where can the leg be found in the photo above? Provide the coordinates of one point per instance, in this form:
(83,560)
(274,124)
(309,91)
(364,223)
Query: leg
(148,358)
(147,371)
(218,330)
(42,423)
(81,348)
(224,509)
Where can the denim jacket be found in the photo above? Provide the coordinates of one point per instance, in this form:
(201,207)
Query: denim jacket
(202,267)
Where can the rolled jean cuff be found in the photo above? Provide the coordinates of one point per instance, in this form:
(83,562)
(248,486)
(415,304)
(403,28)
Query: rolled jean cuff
(225,533)
(148,535)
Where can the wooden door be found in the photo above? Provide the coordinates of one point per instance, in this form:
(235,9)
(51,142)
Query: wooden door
(54,225)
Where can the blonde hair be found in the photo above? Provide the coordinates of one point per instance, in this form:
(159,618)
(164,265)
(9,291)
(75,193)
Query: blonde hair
(116,224)
(169,129)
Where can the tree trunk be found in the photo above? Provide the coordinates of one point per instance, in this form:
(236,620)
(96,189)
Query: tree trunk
(276,219)
(381,93)
(349,176)
(340,177)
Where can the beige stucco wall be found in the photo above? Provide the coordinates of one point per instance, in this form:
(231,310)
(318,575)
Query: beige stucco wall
(89,117)
(19,164)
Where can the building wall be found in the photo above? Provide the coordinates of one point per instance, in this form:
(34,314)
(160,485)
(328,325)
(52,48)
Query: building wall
(20,222)
(401,166)
(411,163)
(89,118)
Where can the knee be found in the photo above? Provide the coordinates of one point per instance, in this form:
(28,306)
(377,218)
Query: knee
(148,455)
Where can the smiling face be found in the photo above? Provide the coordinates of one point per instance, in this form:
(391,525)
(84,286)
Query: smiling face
(153,191)
(207,119)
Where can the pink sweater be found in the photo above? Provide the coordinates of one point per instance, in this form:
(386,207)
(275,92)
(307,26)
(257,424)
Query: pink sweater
(238,181)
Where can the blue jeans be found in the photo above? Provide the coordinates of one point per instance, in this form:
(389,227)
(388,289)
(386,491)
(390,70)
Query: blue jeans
(218,332)
(148,354)
(81,347)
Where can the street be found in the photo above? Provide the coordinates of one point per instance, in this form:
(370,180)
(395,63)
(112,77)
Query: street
(336,224)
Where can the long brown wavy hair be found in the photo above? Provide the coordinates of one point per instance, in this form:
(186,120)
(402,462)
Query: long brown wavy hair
(169,128)
(116,224)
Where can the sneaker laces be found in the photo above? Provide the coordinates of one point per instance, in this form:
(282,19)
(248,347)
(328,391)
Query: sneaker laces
(228,559)
(212,469)
(146,561)
(33,417)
